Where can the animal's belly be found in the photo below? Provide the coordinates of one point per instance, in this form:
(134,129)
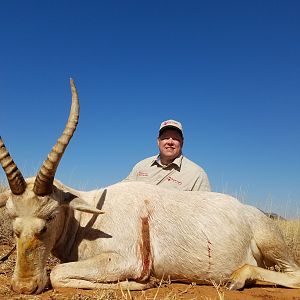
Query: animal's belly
(202,259)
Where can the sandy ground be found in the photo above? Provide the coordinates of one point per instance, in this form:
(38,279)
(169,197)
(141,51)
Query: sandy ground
(169,291)
(182,291)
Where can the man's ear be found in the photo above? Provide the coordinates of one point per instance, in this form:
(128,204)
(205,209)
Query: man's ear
(158,141)
(4,197)
(81,205)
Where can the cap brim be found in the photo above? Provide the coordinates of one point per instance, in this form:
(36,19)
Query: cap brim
(170,127)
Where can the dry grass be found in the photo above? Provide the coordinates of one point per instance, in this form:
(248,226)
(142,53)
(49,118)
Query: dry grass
(5,224)
(291,232)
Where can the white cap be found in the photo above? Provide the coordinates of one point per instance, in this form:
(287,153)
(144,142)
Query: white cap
(171,124)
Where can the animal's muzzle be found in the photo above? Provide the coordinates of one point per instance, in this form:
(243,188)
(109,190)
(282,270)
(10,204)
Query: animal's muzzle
(32,285)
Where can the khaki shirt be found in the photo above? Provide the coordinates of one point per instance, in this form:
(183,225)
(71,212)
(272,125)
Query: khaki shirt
(181,174)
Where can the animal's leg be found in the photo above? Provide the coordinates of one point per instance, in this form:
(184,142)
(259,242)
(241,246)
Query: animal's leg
(269,249)
(269,242)
(249,273)
(106,271)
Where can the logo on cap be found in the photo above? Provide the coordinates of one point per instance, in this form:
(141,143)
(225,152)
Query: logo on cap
(171,123)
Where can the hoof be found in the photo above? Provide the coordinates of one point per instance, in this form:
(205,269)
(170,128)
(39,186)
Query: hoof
(235,285)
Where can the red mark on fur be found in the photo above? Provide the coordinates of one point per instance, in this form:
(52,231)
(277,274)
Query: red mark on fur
(209,248)
(145,249)
(209,252)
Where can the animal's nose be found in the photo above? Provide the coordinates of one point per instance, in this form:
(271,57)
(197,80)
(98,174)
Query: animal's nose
(30,285)
(24,287)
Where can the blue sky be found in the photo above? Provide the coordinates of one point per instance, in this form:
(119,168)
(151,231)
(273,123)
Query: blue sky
(228,70)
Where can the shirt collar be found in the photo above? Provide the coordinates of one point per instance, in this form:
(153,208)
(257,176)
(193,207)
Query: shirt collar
(177,161)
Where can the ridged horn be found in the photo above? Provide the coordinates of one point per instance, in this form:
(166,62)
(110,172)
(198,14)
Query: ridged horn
(14,176)
(43,184)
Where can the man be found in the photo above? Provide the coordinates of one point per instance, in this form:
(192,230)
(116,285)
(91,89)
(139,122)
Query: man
(170,168)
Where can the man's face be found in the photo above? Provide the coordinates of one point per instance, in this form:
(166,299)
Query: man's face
(170,144)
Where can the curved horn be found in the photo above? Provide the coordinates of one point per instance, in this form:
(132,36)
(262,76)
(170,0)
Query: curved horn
(44,180)
(14,176)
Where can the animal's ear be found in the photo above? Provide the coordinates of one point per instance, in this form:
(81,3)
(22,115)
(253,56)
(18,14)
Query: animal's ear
(4,197)
(81,205)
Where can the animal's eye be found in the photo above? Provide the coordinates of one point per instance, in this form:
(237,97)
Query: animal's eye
(17,233)
(43,230)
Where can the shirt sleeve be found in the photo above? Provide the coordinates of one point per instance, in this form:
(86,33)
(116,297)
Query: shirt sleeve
(132,175)
(202,184)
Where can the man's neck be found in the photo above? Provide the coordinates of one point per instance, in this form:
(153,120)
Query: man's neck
(165,161)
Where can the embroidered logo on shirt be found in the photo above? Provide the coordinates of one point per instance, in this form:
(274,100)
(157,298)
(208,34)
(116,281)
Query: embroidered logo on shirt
(142,174)
(174,180)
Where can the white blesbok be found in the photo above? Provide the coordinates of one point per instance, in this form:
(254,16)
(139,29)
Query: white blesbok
(146,233)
